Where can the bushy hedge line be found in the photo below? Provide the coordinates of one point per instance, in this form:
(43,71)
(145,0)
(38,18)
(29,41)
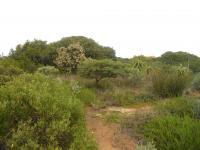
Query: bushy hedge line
(169,83)
(180,107)
(8,72)
(40,113)
(176,126)
(174,133)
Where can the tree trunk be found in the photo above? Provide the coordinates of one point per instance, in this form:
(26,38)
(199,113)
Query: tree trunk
(97,80)
(74,70)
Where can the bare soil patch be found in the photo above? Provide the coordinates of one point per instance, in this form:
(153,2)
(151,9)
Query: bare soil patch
(108,136)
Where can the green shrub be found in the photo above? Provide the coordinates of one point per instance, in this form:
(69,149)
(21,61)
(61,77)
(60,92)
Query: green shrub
(134,124)
(37,112)
(135,77)
(48,70)
(4,79)
(123,97)
(174,133)
(87,96)
(7,73)
(196,82)
(99,69)
(144,97)
(10,70)
(169,84)
(180,107)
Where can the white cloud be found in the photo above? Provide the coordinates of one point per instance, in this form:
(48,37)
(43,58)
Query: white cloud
(132,27)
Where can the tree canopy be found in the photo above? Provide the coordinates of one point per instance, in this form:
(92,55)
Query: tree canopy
(186,59)
(69,58)
(33,54)
(99,69)
(92,49)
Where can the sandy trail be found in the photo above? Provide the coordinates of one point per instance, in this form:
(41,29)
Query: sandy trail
(108,136)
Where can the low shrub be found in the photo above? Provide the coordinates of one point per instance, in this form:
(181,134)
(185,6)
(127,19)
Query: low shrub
(135,77)
(87,96)
(48,70)
(174,133)
(123,97)
(169,83)
(180,107)
(134,124)
(10,70)
(4,79)
(196,83)
(7,73)
(144,97)
(37,112)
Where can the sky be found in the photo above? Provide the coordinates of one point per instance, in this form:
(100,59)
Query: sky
(131,27)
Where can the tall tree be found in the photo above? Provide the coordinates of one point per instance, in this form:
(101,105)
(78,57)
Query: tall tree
(92,49)
(186,59)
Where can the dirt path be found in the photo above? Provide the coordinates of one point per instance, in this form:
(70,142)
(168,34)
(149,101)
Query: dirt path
(129,111)
(108,136)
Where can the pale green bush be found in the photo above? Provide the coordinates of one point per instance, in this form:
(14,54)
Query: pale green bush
(48,70)
(37,112)
(169,84)
(174,133)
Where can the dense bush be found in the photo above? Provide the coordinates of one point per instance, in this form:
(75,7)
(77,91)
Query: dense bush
(186,59)
(48,70)
(92,49)
(169,83)
(35,52)
(180,107)
(87,96)
(196,82)
(123,97)
(10,71)
(174,133)
(7,73)
(134,77)
(4,79)
(40,113)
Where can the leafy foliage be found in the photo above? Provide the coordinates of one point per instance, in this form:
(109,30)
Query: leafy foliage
(69,58)
(180,107)
(38,112)
(48,70)
(169,83)
(36,51)
(99,69)
(186,59)
(92,49)
(87,96)
(8,72)
(174,133)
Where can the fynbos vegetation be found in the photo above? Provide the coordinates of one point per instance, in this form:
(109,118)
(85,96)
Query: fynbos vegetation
(47,88)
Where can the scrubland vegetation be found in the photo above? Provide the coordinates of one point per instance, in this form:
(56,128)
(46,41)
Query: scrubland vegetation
(45,88)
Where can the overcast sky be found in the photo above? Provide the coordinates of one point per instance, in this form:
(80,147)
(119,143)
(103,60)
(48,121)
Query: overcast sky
(131,27)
